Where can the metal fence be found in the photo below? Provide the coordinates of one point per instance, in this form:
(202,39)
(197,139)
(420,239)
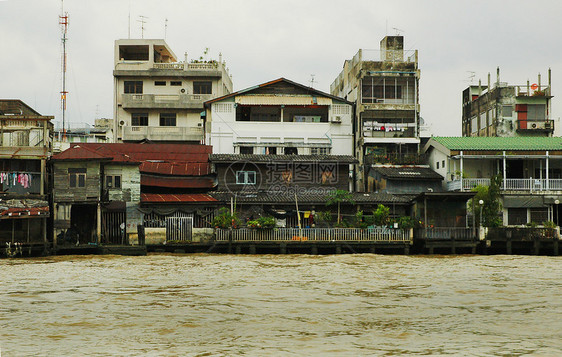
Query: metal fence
(446,233)
(314,234)
(179,228)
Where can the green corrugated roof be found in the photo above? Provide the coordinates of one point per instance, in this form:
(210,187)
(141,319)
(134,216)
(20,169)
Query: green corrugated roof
(494,143)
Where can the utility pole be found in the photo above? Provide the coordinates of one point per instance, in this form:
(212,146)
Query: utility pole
(142,21)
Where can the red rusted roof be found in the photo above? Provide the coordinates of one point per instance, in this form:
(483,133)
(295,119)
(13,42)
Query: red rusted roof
(177,182)
(79,152)
(14,212)
(173,168)
(177,198)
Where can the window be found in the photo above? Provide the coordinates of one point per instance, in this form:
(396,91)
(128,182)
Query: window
(245,177)
(77,177)
(319,151)
(175,83)
(437,165)
(159,83)
(443,164)
(539,215)
(516,216)
(139,119)
(246,149)
(536,112)
(167,119)
(113,181)
(271,150)
(291,151)
(507,111)
(133,87)
(202,87)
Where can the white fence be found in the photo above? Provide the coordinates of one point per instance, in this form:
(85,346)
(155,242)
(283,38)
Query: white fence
(528,184)
(314,234)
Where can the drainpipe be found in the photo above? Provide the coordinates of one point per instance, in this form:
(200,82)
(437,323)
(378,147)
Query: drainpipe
(461,170)
(504,173)
(547,182)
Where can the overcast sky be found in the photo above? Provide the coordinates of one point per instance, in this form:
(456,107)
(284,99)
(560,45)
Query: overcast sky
(263,40)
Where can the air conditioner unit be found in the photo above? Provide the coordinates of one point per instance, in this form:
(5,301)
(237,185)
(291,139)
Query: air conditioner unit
(336,119)
(548,125)
(537,125)
(182,91)
(199,124)
(121,123)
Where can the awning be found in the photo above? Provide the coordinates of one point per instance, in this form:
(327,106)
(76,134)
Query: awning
(523,201)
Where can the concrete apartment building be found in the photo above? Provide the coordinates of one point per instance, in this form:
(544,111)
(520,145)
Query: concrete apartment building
(505,110)
(157,97)
(384,85)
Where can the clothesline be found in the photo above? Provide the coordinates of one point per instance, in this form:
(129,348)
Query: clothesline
(16,178)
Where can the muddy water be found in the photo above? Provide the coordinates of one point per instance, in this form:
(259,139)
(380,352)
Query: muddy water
(214,305)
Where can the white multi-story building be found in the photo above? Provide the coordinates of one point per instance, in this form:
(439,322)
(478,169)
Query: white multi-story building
(158,98)
(280,117)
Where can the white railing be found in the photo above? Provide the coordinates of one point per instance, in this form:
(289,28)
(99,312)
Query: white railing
(314,234)
(186,66)
(178,65)
(527,184)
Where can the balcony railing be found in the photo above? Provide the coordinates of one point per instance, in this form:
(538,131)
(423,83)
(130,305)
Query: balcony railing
(536,125)
(396,159)
(173,101)
(446,233)
(522,233)
(162,133)
(187,66)
(527,184)
(313,234)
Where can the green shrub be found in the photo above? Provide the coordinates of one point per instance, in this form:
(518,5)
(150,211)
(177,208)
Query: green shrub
(225,219)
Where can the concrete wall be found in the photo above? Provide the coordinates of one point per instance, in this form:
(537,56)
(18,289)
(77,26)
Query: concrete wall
(225,131)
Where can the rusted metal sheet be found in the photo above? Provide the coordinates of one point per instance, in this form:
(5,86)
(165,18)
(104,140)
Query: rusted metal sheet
(183,169)
(177,182)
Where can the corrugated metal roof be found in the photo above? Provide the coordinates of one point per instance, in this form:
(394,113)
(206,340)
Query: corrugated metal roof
(264,99)
(177,182)
(305,197)
(408,173)
(345,159)
(180,169)
(500,143)
(176,198)
(16,212)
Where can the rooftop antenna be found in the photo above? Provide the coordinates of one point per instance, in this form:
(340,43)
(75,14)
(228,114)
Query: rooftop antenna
(312,80)
(142,21)
(471,75)
(63,21)
(165,28)
(398,31)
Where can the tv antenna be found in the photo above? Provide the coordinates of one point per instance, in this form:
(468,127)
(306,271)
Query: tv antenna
(143,22)
(312,80)
(63,21)
(471,75)
(165,28)
(398,31)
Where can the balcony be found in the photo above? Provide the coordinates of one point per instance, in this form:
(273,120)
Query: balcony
(535,125)
(164,101)
(396,159)
(525,185)
(173,133)
(376,130)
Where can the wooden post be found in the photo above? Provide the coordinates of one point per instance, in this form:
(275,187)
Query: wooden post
(372,251)
(252,249)
(230,240)
(283,248)
(453,247)
(98,226)
(407,249)
(556,244)
(508,247)
(536,246)
(338,249)
(238,249)
(27,230)
(431,250)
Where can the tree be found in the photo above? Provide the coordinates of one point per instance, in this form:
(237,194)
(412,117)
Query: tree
(337,197)
(490,195)
(381,215)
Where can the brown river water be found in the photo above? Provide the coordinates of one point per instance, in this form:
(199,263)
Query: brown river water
(281,305)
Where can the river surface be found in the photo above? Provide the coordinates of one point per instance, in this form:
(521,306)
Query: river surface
(281,305)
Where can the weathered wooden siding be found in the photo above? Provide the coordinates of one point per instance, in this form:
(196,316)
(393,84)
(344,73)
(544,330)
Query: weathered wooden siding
(62,192)
(130,182)
(271,176)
